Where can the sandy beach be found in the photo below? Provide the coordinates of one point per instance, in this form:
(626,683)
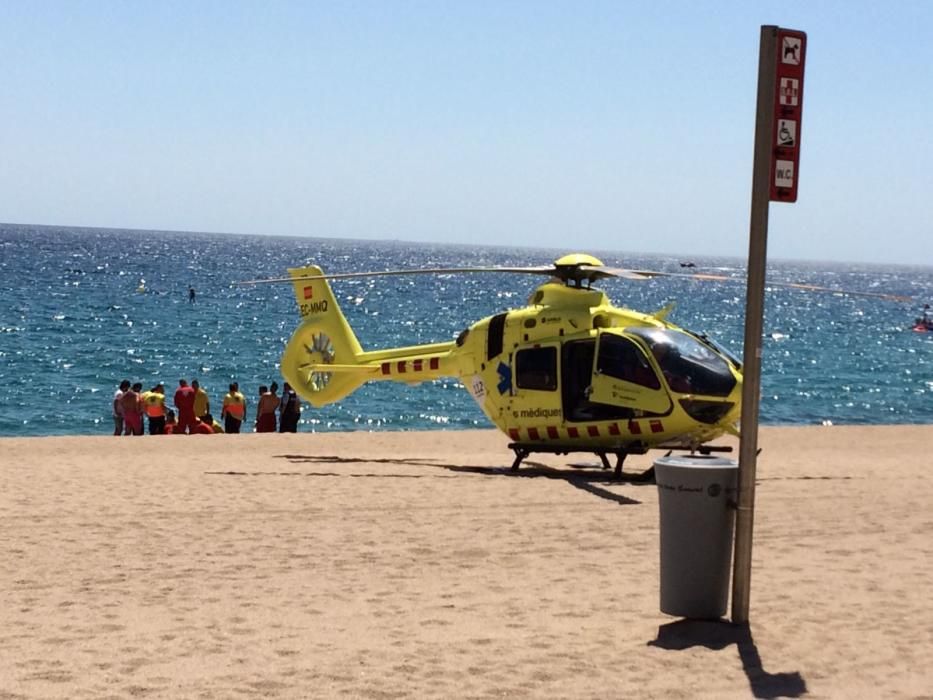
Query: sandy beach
(391,565)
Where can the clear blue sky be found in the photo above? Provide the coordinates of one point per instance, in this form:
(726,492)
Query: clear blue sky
(602,125)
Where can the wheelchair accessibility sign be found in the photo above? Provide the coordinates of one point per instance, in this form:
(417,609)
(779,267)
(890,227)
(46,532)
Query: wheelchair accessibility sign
(786,133)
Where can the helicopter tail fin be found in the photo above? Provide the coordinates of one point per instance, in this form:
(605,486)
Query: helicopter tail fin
(321,360)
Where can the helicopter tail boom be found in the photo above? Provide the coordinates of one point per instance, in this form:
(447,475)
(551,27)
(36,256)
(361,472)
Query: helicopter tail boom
(324,361)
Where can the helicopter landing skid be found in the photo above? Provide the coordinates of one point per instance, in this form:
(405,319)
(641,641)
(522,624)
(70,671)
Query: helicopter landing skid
(522,450)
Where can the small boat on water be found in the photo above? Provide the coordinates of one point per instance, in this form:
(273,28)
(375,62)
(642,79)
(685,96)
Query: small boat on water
(924,324)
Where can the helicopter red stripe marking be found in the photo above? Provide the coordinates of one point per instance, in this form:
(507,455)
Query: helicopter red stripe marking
(513,433)
(592,430)
(552,432)
(387,368)
(634,428)
(656,426)
(435,362)
(613,428)
(416,366)
(573,432)
(401,367)
(533,434)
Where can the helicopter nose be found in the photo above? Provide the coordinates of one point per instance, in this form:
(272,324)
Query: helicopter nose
(736,398)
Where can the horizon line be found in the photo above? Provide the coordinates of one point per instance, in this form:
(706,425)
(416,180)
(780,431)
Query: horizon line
(453,244)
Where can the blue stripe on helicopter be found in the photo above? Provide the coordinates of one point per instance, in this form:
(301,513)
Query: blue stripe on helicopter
(505,383)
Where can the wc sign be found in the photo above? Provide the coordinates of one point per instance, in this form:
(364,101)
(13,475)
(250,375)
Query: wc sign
(788,107)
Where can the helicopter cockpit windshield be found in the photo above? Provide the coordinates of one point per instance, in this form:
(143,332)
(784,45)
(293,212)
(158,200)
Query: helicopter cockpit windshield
(689,366)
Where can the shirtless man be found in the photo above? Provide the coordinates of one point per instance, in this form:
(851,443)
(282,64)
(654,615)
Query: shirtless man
(265,410)
(132,410)
(118,407)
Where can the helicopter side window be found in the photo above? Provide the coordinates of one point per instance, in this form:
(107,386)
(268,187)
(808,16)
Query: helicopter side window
(620,358)
(536,368)
(494,336)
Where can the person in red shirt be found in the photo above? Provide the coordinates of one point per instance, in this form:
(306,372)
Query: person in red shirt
(184,402)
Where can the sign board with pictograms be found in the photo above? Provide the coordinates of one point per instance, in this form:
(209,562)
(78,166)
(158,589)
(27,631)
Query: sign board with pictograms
(788,107)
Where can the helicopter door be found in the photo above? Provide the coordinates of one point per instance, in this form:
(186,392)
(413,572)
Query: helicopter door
(622,376)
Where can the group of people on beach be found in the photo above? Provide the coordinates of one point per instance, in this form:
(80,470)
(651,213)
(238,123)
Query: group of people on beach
(192,410)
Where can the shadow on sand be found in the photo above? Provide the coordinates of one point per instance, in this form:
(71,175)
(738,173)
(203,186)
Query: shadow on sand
(717,635)
(589,481)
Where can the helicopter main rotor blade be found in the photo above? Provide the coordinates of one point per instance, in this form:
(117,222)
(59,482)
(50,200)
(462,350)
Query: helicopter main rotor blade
(707,277)
(541,270)
(576,272)
(603,271)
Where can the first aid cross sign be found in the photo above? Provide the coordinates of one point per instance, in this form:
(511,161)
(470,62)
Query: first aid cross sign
(789,92)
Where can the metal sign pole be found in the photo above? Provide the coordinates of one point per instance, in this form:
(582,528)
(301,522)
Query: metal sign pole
(754,312)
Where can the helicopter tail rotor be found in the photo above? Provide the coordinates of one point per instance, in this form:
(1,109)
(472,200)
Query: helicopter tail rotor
(321,358)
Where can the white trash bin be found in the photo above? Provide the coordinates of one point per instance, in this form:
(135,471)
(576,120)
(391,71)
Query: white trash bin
(696,496)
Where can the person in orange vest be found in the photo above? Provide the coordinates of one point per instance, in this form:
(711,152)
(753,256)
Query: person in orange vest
(234,409)
(154,404)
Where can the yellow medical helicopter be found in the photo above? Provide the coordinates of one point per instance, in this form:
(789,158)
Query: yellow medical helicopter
(570,372)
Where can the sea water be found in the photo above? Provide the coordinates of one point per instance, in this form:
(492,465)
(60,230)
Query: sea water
(81,309)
